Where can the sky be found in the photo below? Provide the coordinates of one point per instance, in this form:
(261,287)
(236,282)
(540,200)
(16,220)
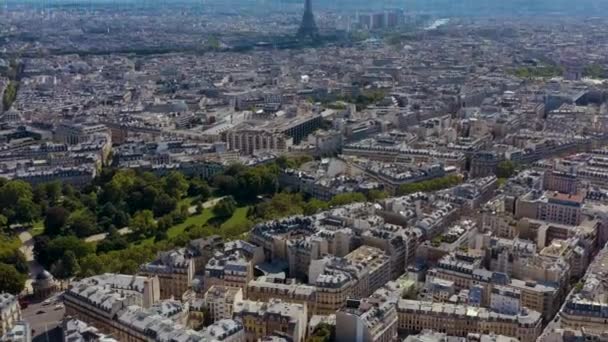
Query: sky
(439,7)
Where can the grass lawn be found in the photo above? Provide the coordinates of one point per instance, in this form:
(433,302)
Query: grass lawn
(8,244)
(187,200)
(201,220)
(239,217)
(37,228)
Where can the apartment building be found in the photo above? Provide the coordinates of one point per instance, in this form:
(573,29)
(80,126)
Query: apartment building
(225,330)
(219,301)
(587,307)
(10,312)
(366,321)
(175,271)
(250,141)
(288,290)
(233,266)
(551,206)
(377,264)
(98,300)
(397,242)
(261,319)
(460,320)
(560,181)
(467,272)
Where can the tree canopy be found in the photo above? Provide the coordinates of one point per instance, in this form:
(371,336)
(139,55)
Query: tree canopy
(11,280)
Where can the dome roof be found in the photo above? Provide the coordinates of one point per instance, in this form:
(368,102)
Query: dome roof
(44,275)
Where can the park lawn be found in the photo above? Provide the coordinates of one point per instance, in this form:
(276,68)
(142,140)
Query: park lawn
(200,219)
(8,244)
(239,217)
(187,200)
(37,228)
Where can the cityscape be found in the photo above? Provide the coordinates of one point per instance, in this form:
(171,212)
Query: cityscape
(303,171)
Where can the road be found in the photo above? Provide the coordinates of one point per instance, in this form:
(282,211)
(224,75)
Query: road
(45,319)
(27,248)
(102,236)
(208,204)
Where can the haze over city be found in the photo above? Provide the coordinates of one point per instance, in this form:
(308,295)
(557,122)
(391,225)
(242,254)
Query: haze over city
(304,170)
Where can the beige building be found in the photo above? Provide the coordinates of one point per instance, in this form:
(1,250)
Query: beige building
(377,265)
(551,206)
(564,182)
(202,251)
(265,288)
(219,301)
(534,296)
(98,300)
(397,242)
(226,330)
(250,141)
(10,312)
(587,305)
(233,267)
(261,319)
(175,271)
(459,320)
(365,321)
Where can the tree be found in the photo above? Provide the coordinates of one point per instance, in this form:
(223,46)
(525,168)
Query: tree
(53,191)
(67,267)
(47,251)
(430,185)
(164,223)
(143,223)
(375,195)
(26,211)
(505,169)
(160,235)
(113,241)
(41,249)
(11,281)
(13,191)
(68,190)
(226,184)
(314,206)
(281,205)
(164,204)
(55,220)
(176,185)
(323,333)
(225,208)
(89,200)
(347,198)
(91,265)
(82,223)
(17,259)
(199,188)
(3,222)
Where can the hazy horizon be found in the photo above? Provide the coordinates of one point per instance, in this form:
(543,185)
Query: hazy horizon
(439,7)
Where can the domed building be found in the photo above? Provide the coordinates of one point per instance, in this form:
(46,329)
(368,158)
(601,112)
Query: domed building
(44,285)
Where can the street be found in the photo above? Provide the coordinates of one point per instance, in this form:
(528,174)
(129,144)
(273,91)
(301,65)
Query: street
(27,248)
(45,319)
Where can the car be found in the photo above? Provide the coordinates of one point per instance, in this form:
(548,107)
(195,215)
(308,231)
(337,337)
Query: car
(40,312)
(46,302)
(58,306)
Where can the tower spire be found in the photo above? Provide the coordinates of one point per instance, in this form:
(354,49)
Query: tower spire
(308,28)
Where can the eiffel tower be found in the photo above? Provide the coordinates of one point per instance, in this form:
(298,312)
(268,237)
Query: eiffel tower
(308,28)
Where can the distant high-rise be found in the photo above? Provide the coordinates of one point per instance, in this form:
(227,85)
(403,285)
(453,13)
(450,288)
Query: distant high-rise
(308,28)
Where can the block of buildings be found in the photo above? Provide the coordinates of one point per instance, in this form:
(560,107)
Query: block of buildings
(10,312)
(174,270)
(264,318)
(219,301)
